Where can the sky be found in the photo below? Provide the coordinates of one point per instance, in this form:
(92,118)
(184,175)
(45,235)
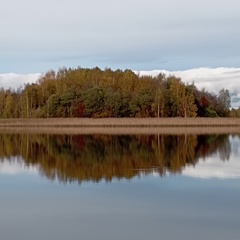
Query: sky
(174,36)
(37,36)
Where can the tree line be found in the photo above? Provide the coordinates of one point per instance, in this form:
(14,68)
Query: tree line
(84,92)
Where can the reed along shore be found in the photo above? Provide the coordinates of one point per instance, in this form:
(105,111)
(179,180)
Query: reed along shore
(122,125)
(120,122)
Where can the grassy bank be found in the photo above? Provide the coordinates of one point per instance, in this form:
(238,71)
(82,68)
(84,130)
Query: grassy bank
(121,122)
(122,125)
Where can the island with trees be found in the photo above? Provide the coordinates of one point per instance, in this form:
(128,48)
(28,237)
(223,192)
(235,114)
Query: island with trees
(96,93)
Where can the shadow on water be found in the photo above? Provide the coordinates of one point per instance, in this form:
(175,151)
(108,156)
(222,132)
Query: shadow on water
(104,157)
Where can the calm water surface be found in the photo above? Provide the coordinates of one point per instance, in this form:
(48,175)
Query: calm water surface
(119,187)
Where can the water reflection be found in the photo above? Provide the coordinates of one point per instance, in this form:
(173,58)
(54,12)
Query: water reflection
(223,164)
(96,157)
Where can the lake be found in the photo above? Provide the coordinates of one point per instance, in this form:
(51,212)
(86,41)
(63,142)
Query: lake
(105,187)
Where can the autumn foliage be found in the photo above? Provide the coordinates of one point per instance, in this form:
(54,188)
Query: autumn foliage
(97,93)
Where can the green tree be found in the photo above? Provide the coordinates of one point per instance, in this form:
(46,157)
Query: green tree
(223,103)
(116,104)
(160,95)
(93,101)
(141,104)
(2,101)
(9,105)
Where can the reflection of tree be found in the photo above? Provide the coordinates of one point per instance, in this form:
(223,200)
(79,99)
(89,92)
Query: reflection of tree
(209,144)
(225,150)
(96,157)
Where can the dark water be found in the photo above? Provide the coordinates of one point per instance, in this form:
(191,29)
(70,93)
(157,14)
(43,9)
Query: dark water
(119,187)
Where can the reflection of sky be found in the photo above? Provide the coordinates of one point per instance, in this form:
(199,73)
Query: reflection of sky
(213,167)
(146,207)
(15,166)
(173,207)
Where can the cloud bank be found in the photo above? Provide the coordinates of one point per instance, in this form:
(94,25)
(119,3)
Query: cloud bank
(14,81)
(213,79)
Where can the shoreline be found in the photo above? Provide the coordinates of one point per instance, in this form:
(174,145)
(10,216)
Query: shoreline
(120,122)
(121,125)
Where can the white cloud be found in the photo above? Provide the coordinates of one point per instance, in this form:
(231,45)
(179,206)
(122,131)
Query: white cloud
(213,79)
(13,80)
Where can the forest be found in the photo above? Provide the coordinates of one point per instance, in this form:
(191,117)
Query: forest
(96,93)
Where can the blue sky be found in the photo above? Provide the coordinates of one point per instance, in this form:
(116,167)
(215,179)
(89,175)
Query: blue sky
(142,35)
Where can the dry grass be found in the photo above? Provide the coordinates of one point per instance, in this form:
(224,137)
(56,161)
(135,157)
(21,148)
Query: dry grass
(120,122)
(122,125)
